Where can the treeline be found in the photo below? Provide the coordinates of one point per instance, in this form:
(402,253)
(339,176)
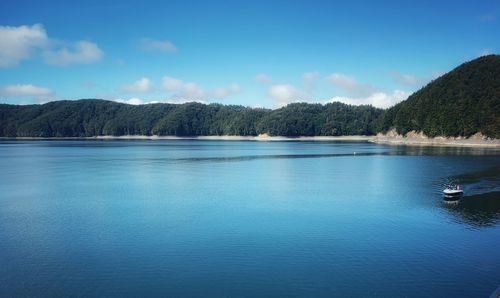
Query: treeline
(460,103)
(92,117)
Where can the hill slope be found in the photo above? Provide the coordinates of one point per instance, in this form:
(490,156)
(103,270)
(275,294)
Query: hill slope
(460,103)
(92,117)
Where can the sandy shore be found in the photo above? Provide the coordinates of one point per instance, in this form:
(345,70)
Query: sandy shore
(419,139)
(391,138)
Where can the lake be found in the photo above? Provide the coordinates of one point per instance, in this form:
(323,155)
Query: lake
(188,218)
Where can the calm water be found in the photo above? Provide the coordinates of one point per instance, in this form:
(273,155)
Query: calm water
(214,218)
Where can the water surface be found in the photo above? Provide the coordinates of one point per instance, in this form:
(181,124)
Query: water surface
(229,218)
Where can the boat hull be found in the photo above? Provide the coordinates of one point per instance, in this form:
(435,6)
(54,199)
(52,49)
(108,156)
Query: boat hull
(452,194)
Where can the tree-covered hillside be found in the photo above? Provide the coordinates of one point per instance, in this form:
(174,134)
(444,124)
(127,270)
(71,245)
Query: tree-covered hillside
(460,103)
(92,117)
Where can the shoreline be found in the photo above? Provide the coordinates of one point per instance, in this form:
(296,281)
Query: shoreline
(438,143)
(412,139)
(419,139)
(207,138)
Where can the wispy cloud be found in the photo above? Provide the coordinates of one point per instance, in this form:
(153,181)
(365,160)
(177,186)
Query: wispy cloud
(164,46)
(188,91)
(223,92)
(263,79)
(409,79)
(81,52)
(36,93)
(23,42)
(487,17)
(283,94)
(182,90)
(172,84)
(142,85)
(351,86)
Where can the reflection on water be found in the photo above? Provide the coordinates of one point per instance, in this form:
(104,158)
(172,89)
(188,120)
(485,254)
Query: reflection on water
(489,174)
(278,156)
(477,210)
(442,150)
(480,207)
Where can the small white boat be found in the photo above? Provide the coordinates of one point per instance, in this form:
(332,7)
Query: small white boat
(453,192)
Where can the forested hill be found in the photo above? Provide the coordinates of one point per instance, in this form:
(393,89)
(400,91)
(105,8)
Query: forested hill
(92,117)
(460,103)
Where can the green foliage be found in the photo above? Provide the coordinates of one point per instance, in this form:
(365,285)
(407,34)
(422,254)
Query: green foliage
(460,103)
(333,119)
(92,117)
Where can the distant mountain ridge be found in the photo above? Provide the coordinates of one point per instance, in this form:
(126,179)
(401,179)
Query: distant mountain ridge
(462,102)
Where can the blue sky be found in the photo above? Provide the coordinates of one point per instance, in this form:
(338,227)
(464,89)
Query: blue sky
(253,53)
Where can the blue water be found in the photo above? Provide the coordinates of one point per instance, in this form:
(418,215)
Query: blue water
(226,218)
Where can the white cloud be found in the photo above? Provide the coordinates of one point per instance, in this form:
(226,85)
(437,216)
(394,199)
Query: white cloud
(192,92)
(142,85)
(263,78)
(134,101)
(284,94)
(23,42)
(351,86)
(184,91)
(81,52)
(164,46)
(130,101)
(24,90)
(18,43)
(365,94)
(180,100)
(27,90)
(357,93)
(377,99)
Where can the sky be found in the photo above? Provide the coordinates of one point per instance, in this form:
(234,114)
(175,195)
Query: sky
(251,53)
